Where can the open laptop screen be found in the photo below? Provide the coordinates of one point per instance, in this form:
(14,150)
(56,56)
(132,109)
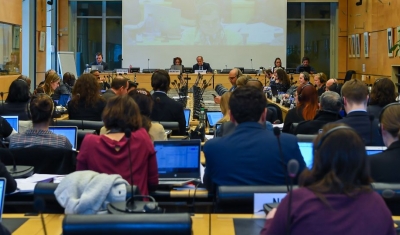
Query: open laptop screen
(2,194)
(13,121)
(178,159)
(213,117)
(306,149)
(371,150)
(71,132)
(64,98)
(187,117)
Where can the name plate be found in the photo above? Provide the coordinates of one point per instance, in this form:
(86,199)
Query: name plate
(171,71)
(200,71)
(121,71)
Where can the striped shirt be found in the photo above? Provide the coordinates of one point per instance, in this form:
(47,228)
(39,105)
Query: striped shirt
(34,137)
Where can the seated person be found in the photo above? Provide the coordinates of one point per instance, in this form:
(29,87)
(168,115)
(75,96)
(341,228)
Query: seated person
(41,108)
(305,66)
(133,158)
(337,188)
(201,65)
(319,81)
(86,102)
(234,74)
(333,85)
(66,87)
(282,81)
(164,108)
(177,61)
(277,64)
(51,83)
(17,100)
(104,85)
(355,98)
(385,165)
(383,92)
(306,107)
(250,155)
(119,86)
(329,109)
(99,61)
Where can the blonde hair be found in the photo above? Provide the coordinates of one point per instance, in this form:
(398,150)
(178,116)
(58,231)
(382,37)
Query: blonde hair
(47,83)
(225,107)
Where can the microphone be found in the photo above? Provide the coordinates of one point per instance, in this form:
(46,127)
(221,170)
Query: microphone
(292,168)
(40,205)
(148,65)
(251,61)
(277,133)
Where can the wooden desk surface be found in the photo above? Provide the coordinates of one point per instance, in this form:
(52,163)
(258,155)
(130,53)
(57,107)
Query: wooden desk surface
(63,117)
(33,226)
(284,109)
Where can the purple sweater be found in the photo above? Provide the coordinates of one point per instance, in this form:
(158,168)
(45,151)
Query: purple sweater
(363,214)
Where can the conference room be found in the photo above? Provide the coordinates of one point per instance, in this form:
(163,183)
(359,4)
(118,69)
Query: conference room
(136,39)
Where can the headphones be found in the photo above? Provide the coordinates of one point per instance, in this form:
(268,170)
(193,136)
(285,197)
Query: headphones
(381,113)
(238,73)
(36,96)
(328,133)
(299,96)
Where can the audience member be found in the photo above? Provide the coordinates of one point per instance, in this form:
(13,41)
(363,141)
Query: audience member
(385,166)
(145,102)
(99,61)
(104,85)
(282,81)
(17,100)
(132,86)
(164,108)
(337,188)
(132,157)
(119,86)
(320,81)
(305,66)
(355,99)
(277,64)
(330,105)
(234,74)
(66,87)
(304,79)
(201,65)
(383,92)
(333,85)
(51,83)
(268,74)
(250,155)
(242,80)
(86,102)
(41,108)
(306,107)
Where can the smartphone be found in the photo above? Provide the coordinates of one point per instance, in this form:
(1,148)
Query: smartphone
(214,95)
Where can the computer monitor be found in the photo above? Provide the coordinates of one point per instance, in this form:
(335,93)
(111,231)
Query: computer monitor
(188,70)
(13,121)
(305,69)
(177,67)
(134,70)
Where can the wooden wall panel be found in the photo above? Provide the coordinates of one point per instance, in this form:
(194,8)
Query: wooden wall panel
(63,25)
(41,10)
(11,11)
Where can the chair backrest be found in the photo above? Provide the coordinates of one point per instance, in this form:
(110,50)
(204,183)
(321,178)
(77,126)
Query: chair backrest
(81,136)
(44,160)
(81,124)
(293,127)
(305,138)
(170,125)
(240,199)
(139,224)
(390,192)
(349,75)
(278,110)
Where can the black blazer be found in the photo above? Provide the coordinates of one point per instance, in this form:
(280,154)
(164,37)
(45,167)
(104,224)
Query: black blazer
(206,66)
(293,116)
(312,127)
(105,65)
(360,122)
(168,110)
(385,166)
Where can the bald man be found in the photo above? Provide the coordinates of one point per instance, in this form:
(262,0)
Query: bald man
(234,74)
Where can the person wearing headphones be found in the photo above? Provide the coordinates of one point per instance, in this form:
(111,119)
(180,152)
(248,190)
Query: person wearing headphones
(335,196)
(66,87)
(51,83)
(41,108)
(385,165)
(234,74)
(306,99)
(99,61)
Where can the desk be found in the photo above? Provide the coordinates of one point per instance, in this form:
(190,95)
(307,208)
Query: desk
(63,117)
(34,225)
(284,109)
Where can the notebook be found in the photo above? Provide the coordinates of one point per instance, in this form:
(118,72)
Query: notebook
(178,161)
(3,182)
(63,100)
(13,121)
(71,132)
(213,117)
(187,117)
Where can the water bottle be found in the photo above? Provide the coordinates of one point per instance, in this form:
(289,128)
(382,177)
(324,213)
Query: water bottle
(202,116)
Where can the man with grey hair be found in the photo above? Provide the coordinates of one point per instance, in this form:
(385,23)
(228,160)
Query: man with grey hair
(329,107)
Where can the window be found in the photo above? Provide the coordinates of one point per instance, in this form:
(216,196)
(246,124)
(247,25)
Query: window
(9,50)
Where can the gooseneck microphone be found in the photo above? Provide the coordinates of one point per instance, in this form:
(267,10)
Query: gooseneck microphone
(148,65)
(40,205)
(292,168)
(251,61)
(277,133)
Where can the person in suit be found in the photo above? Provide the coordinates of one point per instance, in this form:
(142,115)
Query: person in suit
(99,61)
(250,155)
(355,98)
(119,86)
(165,108)
(330,105)
(385,165)
(383,92)
(201,65)
(337,188)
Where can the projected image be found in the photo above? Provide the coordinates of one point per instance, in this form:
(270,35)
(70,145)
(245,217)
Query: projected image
(190,22)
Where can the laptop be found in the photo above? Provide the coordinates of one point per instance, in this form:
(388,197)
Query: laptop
(178,161)
(176,67)
(218,125)
(97,67)
(3,182)
(371,150)
(13,121)
(71,132)
(213,117)
(187,117)
(64,99)
(306,149)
